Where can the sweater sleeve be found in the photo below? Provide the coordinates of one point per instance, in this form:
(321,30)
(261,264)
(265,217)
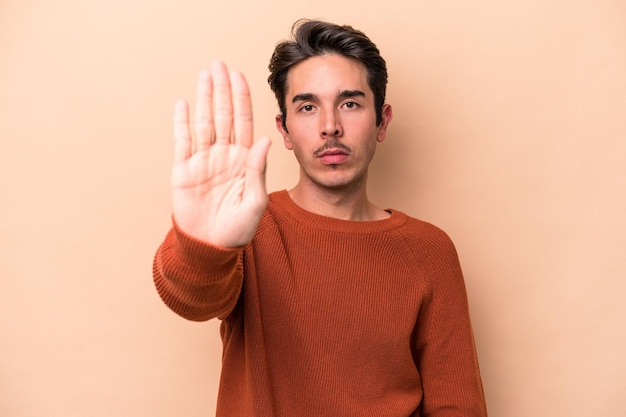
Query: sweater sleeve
(196,280)
(444,341)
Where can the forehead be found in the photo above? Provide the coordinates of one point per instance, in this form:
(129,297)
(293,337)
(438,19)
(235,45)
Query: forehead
(327,74)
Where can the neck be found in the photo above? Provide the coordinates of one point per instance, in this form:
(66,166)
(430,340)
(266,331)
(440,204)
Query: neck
(337,203)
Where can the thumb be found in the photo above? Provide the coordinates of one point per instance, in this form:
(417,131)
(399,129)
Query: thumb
(255,169)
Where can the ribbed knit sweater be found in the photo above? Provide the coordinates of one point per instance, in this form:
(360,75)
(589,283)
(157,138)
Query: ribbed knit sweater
(329,317)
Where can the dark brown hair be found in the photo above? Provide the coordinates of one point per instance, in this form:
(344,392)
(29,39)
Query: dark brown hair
(311,38)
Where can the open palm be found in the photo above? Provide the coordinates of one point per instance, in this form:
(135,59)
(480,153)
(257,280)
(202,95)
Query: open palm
(218,177)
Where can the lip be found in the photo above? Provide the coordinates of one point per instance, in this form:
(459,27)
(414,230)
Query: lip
(333,156)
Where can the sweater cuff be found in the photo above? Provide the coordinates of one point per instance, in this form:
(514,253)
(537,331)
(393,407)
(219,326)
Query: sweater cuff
(197,255)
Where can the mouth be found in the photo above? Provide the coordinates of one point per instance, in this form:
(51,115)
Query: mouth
(332,156)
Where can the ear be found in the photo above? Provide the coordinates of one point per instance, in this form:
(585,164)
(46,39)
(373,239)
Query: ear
(387,116)
(283,131)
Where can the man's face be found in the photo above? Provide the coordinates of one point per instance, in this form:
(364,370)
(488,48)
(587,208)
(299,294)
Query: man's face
(331,121)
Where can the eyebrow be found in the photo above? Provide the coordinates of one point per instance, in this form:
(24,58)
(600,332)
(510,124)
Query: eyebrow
(313,97)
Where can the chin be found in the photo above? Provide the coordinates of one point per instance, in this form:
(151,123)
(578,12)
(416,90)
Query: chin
(338,183)
(336,178)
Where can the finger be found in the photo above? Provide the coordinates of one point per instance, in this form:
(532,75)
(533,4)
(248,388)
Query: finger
(182,137)
(222,103)
(204,116)
(242,110)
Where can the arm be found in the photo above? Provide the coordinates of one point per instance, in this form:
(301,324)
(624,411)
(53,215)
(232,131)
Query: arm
(444,342)
(218,196)
(196,280)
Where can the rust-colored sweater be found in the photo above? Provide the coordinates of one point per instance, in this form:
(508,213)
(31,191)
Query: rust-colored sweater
(328,317)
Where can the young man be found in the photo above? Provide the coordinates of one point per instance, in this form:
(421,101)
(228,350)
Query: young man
(330,305)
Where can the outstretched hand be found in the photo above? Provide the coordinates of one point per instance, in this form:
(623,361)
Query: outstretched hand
(218,177)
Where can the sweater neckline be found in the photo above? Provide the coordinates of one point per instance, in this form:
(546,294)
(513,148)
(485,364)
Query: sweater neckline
(282,205)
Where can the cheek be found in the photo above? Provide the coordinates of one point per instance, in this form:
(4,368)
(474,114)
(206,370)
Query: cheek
(370,143)
(303,161)
(371,150)
(297,149)
(300,135)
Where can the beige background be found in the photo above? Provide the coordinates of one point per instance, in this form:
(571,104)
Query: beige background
(509,133)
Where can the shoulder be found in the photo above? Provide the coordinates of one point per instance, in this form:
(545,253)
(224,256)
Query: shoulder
(427,239)
(417,228)
(432,253)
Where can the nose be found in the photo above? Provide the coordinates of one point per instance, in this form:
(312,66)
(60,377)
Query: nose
(330,125)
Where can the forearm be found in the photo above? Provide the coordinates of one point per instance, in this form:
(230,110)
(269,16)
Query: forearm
(196,280)
(451,379)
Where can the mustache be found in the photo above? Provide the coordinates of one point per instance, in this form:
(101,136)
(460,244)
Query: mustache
(335,144)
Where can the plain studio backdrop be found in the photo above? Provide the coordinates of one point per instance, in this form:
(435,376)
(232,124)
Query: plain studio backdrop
(509,133)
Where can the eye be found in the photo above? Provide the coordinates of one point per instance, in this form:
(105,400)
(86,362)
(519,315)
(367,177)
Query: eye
(306,108)
(350,104)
